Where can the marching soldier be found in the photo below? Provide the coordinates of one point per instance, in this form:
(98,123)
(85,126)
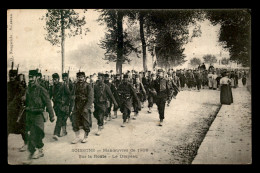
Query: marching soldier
(102,93)
(161,87)
(114,92)
(126,93)
(37,99)
(16,89)
(141,94)
(61,96)
(198,79)
(81,115)
(151,93)
(116,83)
(182,78)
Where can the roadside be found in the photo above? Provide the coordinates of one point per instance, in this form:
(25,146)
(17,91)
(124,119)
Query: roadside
(229,139)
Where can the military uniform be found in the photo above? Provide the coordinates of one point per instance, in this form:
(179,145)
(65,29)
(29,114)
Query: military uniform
(16,114)
(198,79)
(37,98)
(61,96)
(116,83)
(150,92)
(161,87)
(126,94)
(102,93)
(115,94)
(81,115)
(141,94)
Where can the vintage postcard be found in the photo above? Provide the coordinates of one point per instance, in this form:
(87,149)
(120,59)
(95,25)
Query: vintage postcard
(129,86)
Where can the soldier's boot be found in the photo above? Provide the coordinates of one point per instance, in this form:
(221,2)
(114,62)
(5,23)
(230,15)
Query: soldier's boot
(28,161)
(123,124)
(150,110)
(77,139)
(24,148)
(161,122)
(109,117)
(128,120)
(99,131)
(36,155)
(135,116)
(55,137)
(85,138)
(105,119)
(142,103)
(64,131)
(115,115)
(41,153)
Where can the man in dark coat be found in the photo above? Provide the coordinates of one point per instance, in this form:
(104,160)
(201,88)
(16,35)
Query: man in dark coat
(81,115)
(16,89)
(37,98)
(182,78)
(116,83)
(61,93)
(141,94)
(161,87)
(151,93)
(115,94)
(126,94)
(102,94)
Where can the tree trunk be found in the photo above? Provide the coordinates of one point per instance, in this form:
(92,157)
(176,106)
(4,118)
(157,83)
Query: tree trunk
(141,20)
(62,42)
(120,58)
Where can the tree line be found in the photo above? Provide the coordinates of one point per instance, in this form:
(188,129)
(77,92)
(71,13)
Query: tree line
(160,32)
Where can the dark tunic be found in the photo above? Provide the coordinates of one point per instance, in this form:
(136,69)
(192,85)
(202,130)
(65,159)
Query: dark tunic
(15,107)
(81,115)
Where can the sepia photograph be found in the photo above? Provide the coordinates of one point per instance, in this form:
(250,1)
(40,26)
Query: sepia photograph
(129,87)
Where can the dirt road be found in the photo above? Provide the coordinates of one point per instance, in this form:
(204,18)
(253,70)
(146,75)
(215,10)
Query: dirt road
(142,141)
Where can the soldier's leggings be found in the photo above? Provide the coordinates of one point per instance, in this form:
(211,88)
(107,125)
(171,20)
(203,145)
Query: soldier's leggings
(198,83)
(161,107)
(61,121)
(108,110)
(150,101)
(81,119)
(126,113)
(99,114)
(35,124)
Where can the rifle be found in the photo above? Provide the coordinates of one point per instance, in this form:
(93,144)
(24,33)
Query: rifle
(17,68)
(12,65)
(20,114)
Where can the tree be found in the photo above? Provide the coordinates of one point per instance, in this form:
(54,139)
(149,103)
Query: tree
(235,32)
(195,61)
(58,21)
(209,59)
(169,31)
(117,43)
(225,61)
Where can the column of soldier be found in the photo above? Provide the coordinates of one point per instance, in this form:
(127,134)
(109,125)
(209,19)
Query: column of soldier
(79,99)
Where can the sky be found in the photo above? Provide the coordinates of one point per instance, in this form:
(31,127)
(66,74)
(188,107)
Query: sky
(27,46)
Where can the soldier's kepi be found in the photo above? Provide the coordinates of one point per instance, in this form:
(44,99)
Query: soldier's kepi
(81,115)
(37,99)
(102,94)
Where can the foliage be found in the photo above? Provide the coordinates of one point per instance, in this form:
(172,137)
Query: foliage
(209,59)
(235,34)
(69,19)
(225,61)
(195,61)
